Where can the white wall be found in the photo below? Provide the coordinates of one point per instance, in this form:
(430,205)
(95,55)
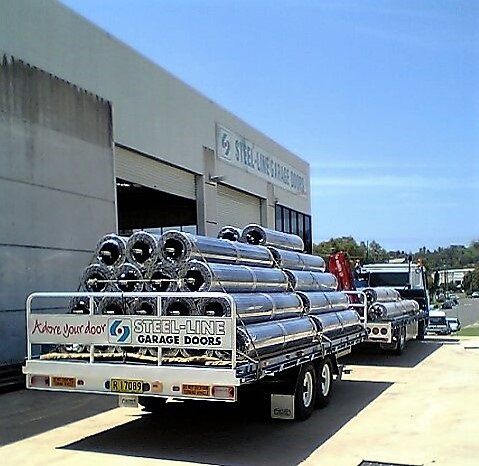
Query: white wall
(154,112)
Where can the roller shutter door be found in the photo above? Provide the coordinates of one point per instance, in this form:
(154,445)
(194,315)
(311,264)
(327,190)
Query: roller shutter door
(237,208)
(137,168)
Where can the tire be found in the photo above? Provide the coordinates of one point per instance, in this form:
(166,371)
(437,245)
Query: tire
(305,392)
(325,383)
(421,330)
(152,404)
(401,343)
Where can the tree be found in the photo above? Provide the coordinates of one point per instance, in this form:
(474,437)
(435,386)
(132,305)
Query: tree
(471,281)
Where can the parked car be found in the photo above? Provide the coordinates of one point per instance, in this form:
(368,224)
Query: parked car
(475,294)
(447,304)
(438,323)
(454,324)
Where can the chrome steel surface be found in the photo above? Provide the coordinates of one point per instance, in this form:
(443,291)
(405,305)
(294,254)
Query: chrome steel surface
(96,277)
(142,249)
(311,281)
(177,248)
(294,260)
(381,294)
(339,301)
(265,338)
(199,276)
(254,307)
(143,306)
(129,278)
(392,309)
(315,302)
(161,278)
(180,307)
(113,306)
(256,234)
(328,323)
(111,250)
(230,233)
(78,306)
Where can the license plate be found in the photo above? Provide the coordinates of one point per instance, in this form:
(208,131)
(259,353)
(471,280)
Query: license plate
(65,382)
(126,386)
(196,390)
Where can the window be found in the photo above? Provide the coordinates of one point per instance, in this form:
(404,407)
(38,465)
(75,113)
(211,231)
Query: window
(292,221)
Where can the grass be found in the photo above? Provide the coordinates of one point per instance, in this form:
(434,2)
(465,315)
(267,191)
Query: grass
(469,331)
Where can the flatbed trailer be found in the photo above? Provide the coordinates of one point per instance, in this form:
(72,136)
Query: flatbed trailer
(107,364)
(393,334)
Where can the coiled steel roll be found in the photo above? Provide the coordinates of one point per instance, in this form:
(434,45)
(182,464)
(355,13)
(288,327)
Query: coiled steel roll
(266,338)
(392,309)
(333,324)
(180,307)
(381,294)
(111,250)
(96,278)
(142,249)
(78,305)
(254,307)
(113,306)
(161,278)
(199,276)
(256,234)
(311,281)
(177,248)
(230,233)
(294,260)
(339,301)
(143,306)
(129,278)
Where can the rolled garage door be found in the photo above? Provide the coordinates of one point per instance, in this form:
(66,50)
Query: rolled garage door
(136,168)
(236,207)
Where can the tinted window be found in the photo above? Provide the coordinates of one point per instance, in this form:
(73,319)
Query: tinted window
(394,279)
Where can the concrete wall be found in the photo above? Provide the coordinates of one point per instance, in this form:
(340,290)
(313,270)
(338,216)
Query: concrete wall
(56,189)
(154,113)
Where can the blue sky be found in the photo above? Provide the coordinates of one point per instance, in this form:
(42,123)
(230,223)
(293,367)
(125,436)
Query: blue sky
(381,97)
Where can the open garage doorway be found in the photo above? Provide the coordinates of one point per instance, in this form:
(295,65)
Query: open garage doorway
(142,208)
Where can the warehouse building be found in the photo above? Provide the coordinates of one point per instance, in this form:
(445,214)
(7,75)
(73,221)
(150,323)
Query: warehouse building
(96,138)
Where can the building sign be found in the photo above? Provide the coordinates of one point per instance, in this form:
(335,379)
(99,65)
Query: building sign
(237,150)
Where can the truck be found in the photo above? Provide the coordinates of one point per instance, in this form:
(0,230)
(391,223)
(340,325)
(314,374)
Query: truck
(295,379)
(409,279)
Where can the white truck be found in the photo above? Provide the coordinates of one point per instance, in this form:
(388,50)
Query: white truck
(410,281)
(108,363)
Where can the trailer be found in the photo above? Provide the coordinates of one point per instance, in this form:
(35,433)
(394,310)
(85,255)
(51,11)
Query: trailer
(409,280)
(130,356)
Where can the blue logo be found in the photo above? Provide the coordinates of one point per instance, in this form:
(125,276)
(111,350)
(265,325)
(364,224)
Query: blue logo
(119,331)
(225,143)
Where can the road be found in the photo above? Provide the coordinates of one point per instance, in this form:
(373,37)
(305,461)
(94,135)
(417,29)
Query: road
(467,310)
(384,403)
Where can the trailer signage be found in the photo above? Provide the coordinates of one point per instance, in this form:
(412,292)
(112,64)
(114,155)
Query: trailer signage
(172,332)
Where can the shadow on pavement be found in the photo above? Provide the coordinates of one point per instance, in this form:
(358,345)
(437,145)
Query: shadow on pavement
(231,434)
(26,413)
(415,352)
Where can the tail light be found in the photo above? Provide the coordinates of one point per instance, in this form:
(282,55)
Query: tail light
(39,380)
(224,392)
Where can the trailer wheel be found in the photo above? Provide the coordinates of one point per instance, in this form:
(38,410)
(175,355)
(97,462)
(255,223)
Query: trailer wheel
(325,383)
(152,404)
(401,343)
(305,393)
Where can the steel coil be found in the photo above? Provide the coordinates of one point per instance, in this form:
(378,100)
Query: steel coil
(142,249)
(113,306)
(254,307)
(271,337)
(111,250)
(258,235)
(180,307)
(339,300)
(230,233)
(78,305)
(143,306)
(311,281)
(199,276)
(161,279)
(315,302)
(294,260)
(390,310)
(381,294)
(177,248)
(129,278)
(96,278)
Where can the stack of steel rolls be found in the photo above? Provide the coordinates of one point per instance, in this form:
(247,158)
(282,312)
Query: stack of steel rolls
(283,297)
(386,304)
